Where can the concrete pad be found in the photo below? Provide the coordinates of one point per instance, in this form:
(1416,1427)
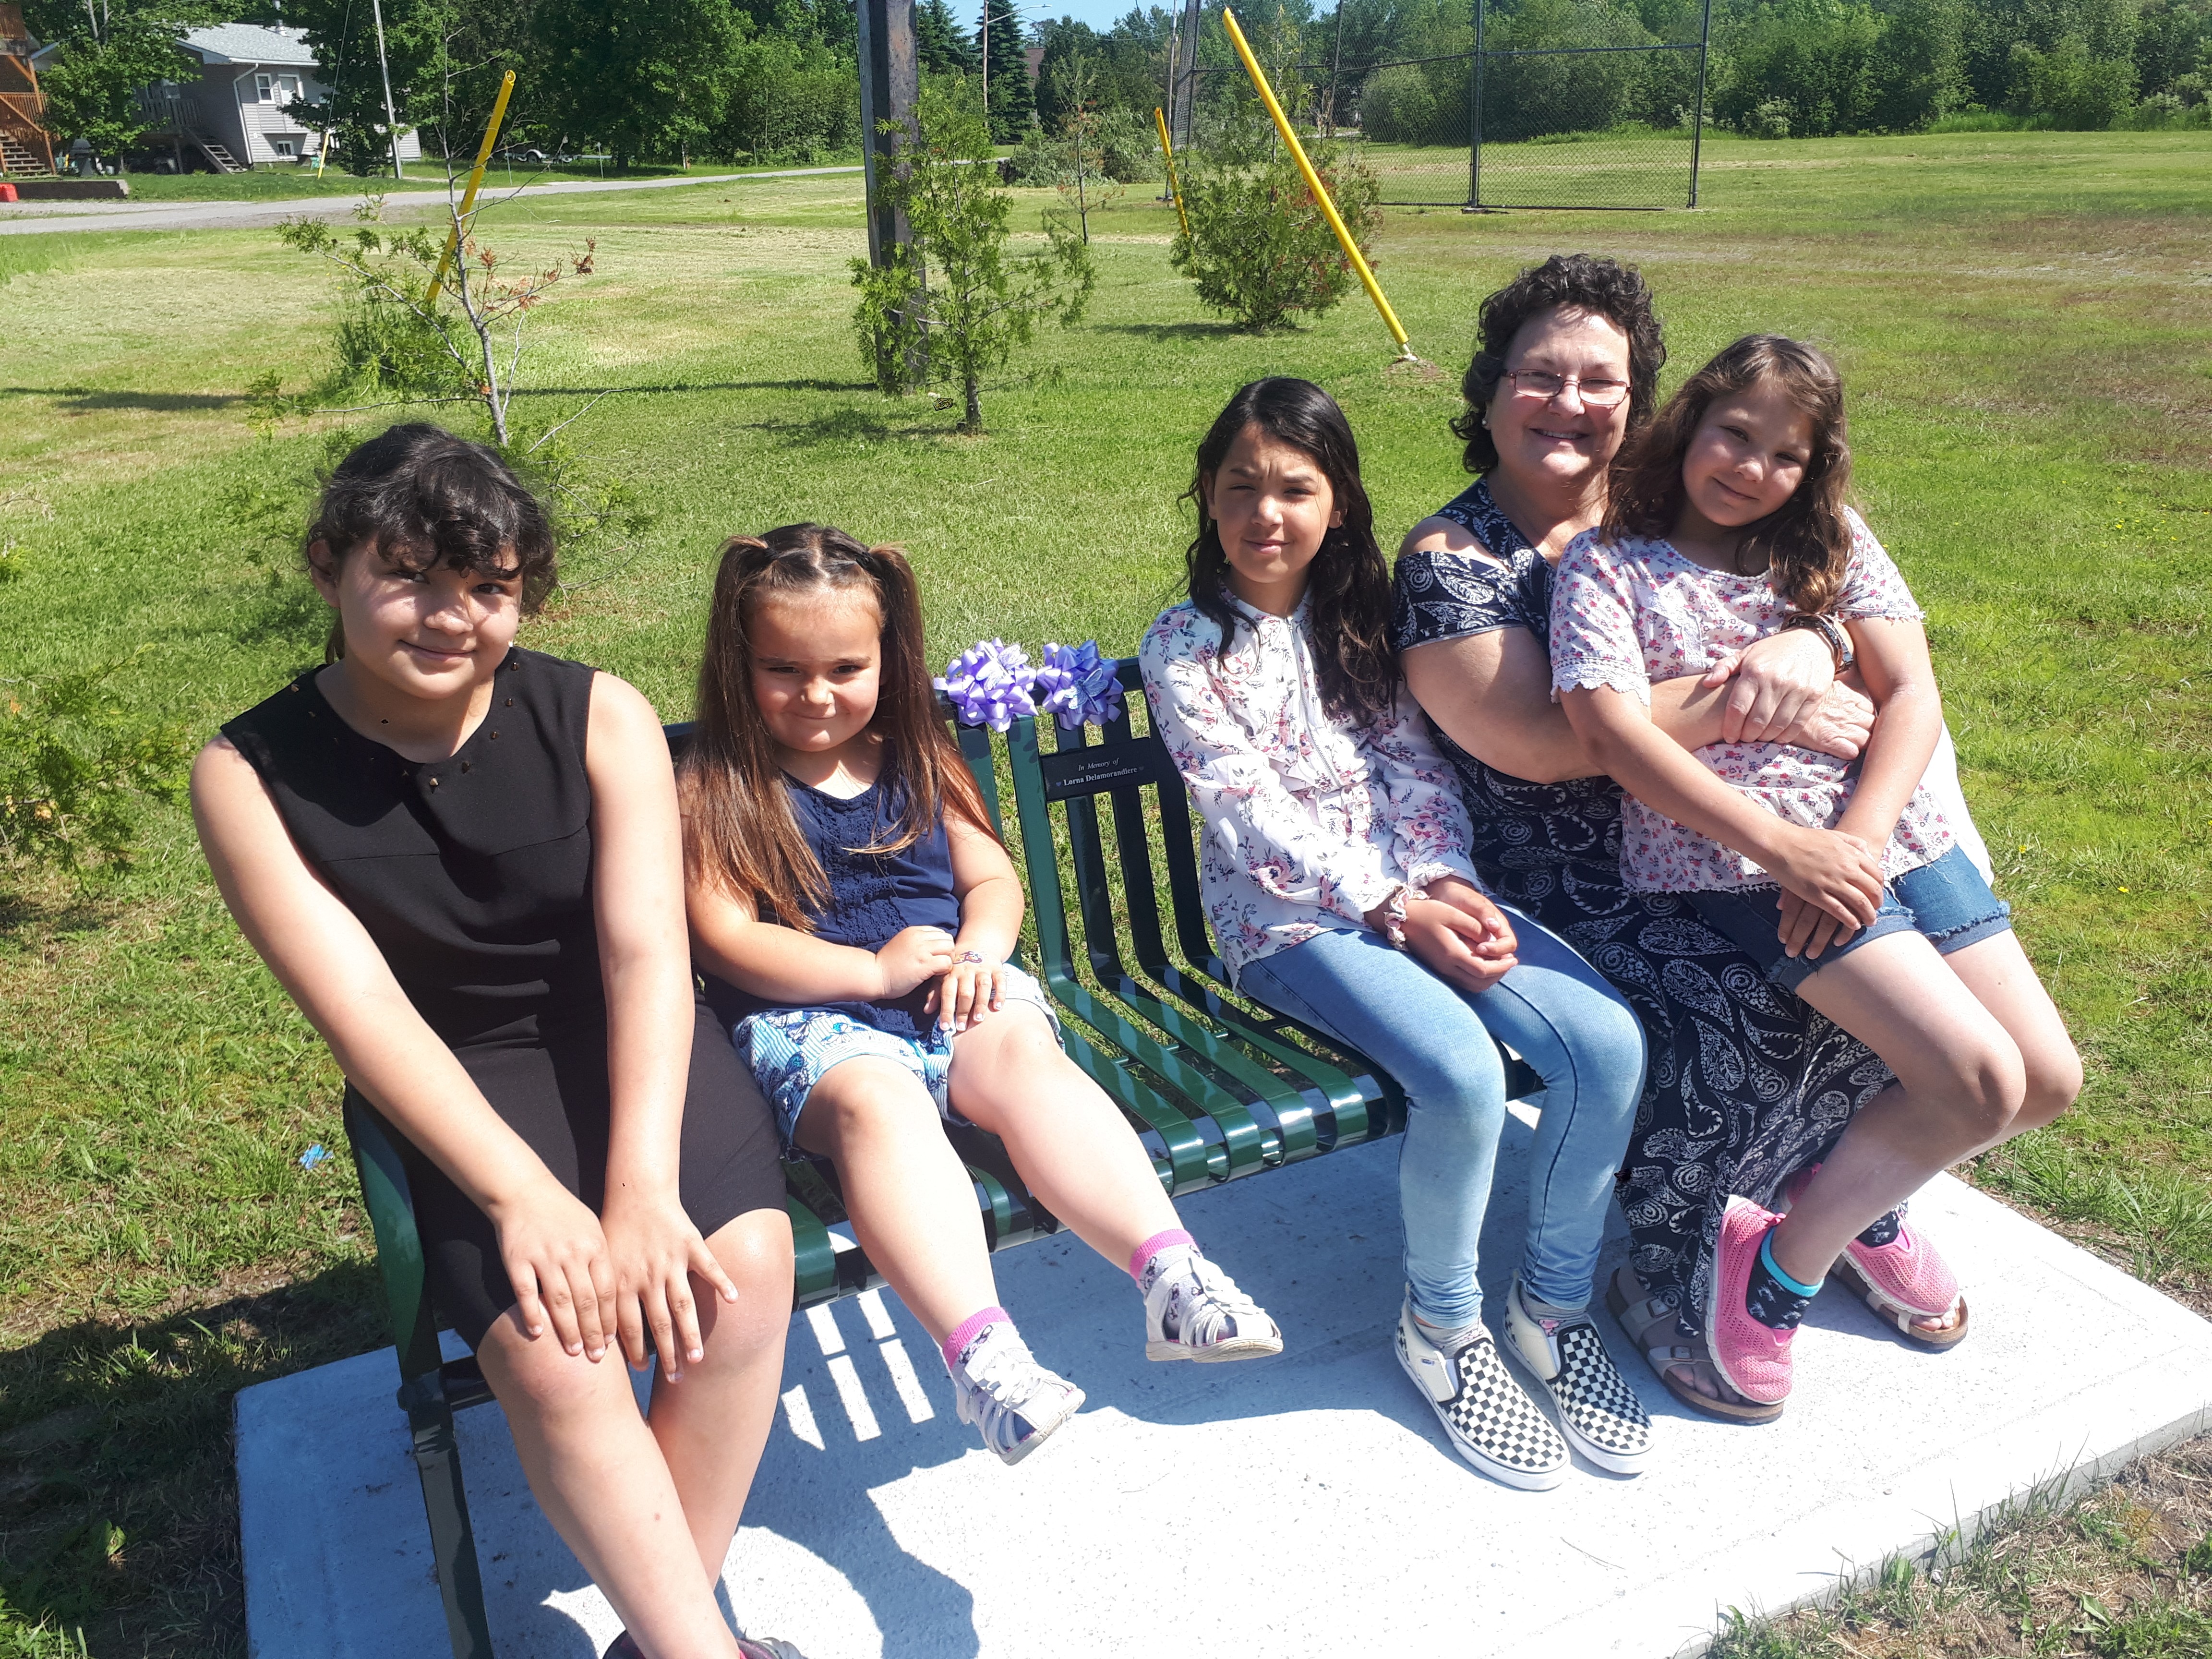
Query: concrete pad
(1248,1511)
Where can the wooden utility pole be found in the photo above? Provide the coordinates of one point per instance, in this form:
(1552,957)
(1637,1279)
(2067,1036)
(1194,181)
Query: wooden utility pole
(890,83)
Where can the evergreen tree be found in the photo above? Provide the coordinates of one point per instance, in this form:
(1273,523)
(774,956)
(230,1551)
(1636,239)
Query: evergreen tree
(1013,100)
(944,47)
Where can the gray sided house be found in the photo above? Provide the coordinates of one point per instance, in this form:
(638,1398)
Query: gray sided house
(237,113)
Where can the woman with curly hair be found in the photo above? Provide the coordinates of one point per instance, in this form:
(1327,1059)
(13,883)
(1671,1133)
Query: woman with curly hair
(1747,1085)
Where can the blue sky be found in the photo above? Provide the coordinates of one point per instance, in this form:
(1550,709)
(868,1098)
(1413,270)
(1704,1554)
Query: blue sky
(1099,14)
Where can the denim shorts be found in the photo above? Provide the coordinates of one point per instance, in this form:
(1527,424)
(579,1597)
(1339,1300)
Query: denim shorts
(791,1050)
(1946,902)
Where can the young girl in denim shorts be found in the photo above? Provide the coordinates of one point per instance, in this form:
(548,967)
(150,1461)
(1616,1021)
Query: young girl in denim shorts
(1727,523)
(854,911)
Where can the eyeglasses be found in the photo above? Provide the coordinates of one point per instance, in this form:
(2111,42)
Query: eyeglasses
(1542,383)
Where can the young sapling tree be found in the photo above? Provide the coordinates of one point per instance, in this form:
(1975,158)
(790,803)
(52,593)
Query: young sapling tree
(954,303)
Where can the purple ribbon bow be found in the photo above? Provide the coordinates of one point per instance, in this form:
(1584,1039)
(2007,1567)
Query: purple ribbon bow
(1077,687)
(988,684)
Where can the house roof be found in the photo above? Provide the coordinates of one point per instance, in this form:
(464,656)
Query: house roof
(249,42)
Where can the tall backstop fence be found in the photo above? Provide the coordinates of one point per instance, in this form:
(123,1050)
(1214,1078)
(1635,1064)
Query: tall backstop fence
(1551,104)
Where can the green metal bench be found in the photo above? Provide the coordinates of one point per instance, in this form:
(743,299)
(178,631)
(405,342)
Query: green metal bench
(1216,1088)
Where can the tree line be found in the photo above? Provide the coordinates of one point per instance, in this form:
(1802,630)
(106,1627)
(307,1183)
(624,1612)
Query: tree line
(777,80)
(1776,67)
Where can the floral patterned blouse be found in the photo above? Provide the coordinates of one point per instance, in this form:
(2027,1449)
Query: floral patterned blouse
(1310,822)
(1627,613)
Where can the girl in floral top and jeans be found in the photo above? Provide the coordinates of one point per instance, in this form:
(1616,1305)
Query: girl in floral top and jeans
(1726,524)
(1337,879)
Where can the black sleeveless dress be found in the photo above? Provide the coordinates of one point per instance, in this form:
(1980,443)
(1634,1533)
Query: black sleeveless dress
(473,875)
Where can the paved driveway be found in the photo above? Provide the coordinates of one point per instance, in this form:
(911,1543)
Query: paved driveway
(29,218)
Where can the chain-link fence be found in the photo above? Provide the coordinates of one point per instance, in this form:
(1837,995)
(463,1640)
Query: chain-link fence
(1554,104)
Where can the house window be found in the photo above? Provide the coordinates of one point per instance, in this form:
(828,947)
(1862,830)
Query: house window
(287,88)
(264,88)
(284,146)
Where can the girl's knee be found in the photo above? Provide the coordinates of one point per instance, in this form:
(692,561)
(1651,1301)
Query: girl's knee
(2054,1082)
(868,1099)
(756,1251)
(1984,1086)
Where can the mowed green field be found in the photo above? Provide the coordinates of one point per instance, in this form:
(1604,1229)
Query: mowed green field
(2023,321)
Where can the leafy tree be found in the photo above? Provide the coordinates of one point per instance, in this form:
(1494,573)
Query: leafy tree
(954,302)
(788,100)
(1259,249)
(1919,67)
(1801,66)
(2069,88)
(108,53)
(2173,47)
(639,79)
(351,113)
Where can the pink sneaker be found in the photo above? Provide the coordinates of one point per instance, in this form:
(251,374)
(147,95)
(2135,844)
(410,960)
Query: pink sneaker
(1903,1280)
(1752,1357)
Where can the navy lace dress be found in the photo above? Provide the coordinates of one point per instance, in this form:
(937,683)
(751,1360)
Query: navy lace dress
(1746,1083)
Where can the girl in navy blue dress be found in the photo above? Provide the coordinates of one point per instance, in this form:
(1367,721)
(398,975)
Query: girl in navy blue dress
(854,911)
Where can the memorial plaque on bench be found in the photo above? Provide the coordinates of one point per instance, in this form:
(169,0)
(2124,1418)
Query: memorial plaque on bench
(1071,773)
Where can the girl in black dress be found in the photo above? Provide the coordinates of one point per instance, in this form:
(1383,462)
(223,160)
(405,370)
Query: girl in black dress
(463,860)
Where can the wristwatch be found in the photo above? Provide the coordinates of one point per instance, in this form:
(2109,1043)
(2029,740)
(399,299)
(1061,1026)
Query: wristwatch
(1837,636)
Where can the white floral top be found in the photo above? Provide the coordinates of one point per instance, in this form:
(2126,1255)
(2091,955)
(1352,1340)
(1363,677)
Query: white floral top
(1309,824)
(1625,614)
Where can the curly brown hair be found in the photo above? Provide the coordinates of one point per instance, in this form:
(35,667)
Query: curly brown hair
(1575,282)
(1806,542)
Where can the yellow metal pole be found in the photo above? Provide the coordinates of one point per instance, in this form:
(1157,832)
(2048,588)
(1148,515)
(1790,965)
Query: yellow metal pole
(468,198)
(1168,150)
(1313,183)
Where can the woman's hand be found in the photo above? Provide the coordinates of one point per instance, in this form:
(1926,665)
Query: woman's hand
(968,991)
(1807,930)
(654,1250)
(556,1256)
(1779,681)
(911,956)
(1837,873)
(1838,724)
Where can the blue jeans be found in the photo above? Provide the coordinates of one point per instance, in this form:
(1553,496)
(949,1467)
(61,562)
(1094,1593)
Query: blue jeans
(1555,1011)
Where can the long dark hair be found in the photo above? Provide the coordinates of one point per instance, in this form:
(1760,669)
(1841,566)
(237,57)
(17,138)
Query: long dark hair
(1348,582)
(738,830)
(1570,281)
(1806,542)
(424,498)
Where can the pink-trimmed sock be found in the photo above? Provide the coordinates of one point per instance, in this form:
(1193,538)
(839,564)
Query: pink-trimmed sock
(1145,1262)
(957,1345)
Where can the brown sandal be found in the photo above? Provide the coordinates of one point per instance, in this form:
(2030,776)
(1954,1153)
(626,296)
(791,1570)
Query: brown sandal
(1651,1325)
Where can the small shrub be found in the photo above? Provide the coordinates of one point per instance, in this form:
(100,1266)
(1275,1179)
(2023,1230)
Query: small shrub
(1771,120)
(1396,106)
(75,770)
(1259,249)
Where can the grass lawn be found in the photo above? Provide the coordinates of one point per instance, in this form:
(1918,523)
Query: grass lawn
(2022,320)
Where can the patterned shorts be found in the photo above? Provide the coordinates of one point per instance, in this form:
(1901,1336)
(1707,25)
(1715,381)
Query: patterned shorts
(791,1050)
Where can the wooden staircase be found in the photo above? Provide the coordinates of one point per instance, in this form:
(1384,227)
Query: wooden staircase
(218,157)
(17,162)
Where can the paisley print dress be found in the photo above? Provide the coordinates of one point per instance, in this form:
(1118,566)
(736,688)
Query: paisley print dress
(1746,1084)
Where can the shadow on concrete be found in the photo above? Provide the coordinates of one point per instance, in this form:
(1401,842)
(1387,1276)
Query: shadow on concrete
(105,1423)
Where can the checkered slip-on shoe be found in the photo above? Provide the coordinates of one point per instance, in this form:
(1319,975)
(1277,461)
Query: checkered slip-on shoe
(1491,1420)
(626,1647)
(1599,1412)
